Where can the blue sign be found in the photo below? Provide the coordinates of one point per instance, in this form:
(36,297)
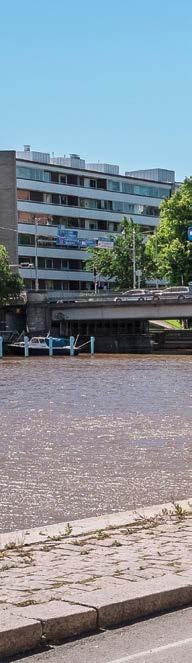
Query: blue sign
(84,243)
(190,234)
(67,237)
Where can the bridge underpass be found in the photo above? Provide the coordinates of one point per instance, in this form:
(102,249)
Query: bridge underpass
(123,327)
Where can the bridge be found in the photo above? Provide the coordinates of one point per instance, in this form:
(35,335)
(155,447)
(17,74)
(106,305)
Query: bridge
(108,309)
(117,327)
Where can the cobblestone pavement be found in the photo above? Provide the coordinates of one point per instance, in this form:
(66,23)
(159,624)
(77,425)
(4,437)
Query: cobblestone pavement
(64,564)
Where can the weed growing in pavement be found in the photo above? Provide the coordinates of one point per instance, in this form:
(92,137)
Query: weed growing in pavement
(68,530)
(11,545)
(84,552)
(7,567)
(179,511)
(101,534)
(55,537)
(15,545)
(24,604)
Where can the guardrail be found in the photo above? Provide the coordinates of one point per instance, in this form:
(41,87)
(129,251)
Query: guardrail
(66,296)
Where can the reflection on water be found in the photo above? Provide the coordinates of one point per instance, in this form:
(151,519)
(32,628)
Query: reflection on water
(82,436)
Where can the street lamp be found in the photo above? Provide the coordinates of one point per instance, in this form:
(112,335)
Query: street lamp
(133,256)
(36,219)
(134,261)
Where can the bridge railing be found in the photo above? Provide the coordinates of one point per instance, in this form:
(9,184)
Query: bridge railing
(78,296)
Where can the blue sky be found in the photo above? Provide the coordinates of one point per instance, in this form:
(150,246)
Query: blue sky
(110,80)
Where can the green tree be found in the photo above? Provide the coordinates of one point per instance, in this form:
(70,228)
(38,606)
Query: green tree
(10,284)
(118,262)
(168,251)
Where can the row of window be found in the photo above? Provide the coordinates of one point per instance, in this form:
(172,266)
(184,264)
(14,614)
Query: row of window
(68,222)
(119,206)
(41,175)
(73,222)
(67,286)
(53,263)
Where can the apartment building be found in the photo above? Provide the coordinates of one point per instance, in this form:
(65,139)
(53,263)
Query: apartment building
(53,208)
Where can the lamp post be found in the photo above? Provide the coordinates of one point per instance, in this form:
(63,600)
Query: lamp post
(36,257)
(133,255)
(134,261)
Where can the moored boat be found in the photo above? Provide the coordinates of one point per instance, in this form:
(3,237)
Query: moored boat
(39,345)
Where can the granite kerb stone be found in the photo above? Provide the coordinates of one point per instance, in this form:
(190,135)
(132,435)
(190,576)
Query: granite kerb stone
(88,525)
(81,612)
(18,634)
(120,601)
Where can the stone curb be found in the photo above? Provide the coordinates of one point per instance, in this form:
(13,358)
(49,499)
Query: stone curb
(81,611)
(24,629)
(88,525)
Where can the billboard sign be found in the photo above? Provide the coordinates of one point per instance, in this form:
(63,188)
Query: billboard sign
(67,237)
(85,243)
(104,244)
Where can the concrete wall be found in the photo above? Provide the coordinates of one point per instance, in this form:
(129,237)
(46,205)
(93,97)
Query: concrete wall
(8,205)
(38,319)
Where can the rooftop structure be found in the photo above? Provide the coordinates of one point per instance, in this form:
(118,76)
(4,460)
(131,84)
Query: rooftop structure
(154,174)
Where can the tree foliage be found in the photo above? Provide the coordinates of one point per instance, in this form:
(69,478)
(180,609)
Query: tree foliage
(168,251)
(10,284)
(118,262)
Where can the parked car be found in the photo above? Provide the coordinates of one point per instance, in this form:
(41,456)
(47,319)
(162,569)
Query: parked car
(173,292)
(130,295)
(137,295)
(176,292)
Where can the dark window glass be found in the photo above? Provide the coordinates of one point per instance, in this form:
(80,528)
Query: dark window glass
(72,223)
(63,179)
(73,285)
(41,263)
(42,284)
(75,264)
(55,198)
(56,263)
(81,181)
(101,183)
(63,200)
(72,201)
(72,179)
(36,196)
(26,240)
(54,177)
(102,225)
(56,285)
(93,184)
(82,223)
(49,263)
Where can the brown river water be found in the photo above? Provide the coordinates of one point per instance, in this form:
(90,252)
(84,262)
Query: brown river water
(82,436)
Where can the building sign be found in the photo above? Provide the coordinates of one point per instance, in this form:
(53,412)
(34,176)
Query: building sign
(85,243)
(67,237)
(104,244)
(190,234)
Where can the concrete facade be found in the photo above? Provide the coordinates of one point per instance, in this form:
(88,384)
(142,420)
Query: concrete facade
(8,204)
(52,209)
